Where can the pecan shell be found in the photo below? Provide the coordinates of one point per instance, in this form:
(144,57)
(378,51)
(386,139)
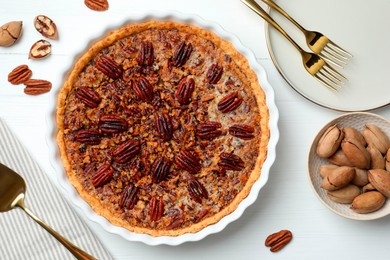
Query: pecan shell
(188,161)
(160,169)
(129,197)
(209,130)
(143,89)
(19,75)
(46,27)
(110,124)
(40,49)
(244,132)
(164,127)
(146,54)
(88,136)
(181,54)
(278,240)
(184,90)
(126,151)
(88,96)
(197,191)
(37,86)
(102,175)
(156,208)
(230,102)
(109,67)
(214,73)
(229,161)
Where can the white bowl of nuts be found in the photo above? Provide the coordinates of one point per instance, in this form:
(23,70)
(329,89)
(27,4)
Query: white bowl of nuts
(349,165)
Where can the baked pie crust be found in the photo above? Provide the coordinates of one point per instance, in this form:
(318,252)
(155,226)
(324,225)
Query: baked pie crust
(162,127)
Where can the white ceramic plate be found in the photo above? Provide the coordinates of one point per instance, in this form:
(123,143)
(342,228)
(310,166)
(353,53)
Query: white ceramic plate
(344,22)
(356,120)
(75,199)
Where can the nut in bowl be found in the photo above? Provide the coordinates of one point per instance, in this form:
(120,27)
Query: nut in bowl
(349,166)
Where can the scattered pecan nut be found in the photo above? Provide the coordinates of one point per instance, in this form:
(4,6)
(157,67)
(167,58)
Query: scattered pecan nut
(126,151)
(214,73)
(46,27)
(146,54)
(143,89)
(197,191)
(102,175)
(208,130)
(188,161)
(109,67)
(129,197)
(110,124)
(244,132)
(181,54)
(19,75)
(97,5)
(88,136)
(230,102)
(229,161)
(40,49)
(156,208)
(160,169)
(164,127)
(184,90)
(278,240)
(88,96)
(37,86)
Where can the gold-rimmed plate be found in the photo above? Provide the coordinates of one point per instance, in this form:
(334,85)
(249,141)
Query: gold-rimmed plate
(348,24)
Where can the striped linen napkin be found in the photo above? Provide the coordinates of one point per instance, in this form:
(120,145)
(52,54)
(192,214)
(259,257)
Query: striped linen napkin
(20,236)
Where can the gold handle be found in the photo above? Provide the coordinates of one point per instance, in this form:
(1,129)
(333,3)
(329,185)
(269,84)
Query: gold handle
(260,11)
(77,252)
(273,5)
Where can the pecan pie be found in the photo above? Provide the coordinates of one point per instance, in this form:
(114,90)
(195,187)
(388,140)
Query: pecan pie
(162,127)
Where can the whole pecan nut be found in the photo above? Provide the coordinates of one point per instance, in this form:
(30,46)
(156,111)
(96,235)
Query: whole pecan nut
(197,191)
(181,54)
(245,132)
(214,73)
(160,169)
(143,89)
(110,124)
(278,240)
(156,208)
(209,130)
(126,151)
(229,161)
(146,54)
(88,136)
(19,75)
(184,90)
(102,175)
(97,5)
(229,102)
(129,197)
(37,86)
(109,67)
(164,127)
(88,96)
(188,161)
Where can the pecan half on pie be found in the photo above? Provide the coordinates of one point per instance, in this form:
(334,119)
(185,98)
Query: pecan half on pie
(162,127)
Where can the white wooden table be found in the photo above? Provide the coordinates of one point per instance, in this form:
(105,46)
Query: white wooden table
(286,202)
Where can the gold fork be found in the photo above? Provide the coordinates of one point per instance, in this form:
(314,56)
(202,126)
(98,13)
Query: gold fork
(312,62)
(317,42)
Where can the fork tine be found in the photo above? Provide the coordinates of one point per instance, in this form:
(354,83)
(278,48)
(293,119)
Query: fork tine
(328,79)
(333,59)
(335,72)
(335,47)
(324,82)
(331,74)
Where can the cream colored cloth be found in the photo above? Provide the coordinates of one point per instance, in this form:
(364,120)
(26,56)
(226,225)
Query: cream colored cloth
(23,238)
